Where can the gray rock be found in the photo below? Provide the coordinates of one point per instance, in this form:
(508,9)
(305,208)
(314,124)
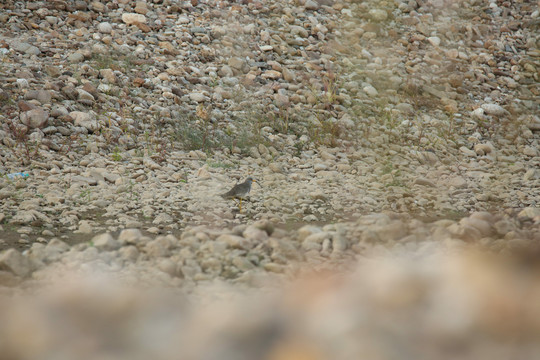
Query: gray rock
(405,108)
(285,248)
(35,118)
(317,237)
(531,151)
(132,18)
(311,5)
(85,95)
(233,241)
(529,213)
(483,226)
(238,64)
(167,266)
(130,236)
(494,109)
(75,57)
(25,48)
(84,227)
(226,71)
(434,40)
(370,90)
(531,174)
(458,182)
(378,14)
(339,243)
(265,225)
(163,219)
(465,232)
(8,279)
(424,182)
(85,120)
(54,249)
(160,247)
(25,217)
(108,75)
(129,253)
(255,234)
(58,111)
(242,263)
(392,231)
(104,27)
(307,230)
(14,261)
(198,97)
(43,96)
(484,149)
(105,242)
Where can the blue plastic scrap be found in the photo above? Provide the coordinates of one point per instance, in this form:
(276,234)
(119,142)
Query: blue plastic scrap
(19,174)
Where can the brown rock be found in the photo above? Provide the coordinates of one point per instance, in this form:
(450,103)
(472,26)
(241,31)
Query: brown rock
(26,106)
(43,96)
(91,89)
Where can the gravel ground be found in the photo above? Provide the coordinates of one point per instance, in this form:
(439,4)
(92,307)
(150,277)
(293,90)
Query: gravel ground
(370,126)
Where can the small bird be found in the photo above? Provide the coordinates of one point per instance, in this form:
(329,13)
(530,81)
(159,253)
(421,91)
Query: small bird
(239,191)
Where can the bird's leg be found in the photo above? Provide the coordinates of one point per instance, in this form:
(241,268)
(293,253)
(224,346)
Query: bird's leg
(240,204)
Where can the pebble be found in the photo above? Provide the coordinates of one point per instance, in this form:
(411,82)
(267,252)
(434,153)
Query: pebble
(434,40)
(197,97)
(14,261)
(25,48)
(424,182)
(105,242)
(35,118)
(104,28)
(132,18)
(75,57)
(458,182)
(370,90)
(311,5)
(84,119)
(494,109)
(378,14)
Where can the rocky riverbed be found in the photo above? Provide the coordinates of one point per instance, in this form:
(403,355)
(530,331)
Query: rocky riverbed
(370,126)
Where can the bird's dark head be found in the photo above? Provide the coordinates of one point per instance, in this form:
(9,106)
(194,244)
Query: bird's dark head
(250,180)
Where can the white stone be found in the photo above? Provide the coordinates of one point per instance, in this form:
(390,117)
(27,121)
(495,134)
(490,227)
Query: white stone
(479,113)
(83,119)
(197,96)
(307,230)
(484,149)
(434,40)
(255,234)
(132,18)
(494,109)
(311,5)
(15,262)
(378,14)
(233,241)
(104,27)
(75,57)
(370,90)
(530,151)
(130,236)
(105,242)
(85,95)
(35,118)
